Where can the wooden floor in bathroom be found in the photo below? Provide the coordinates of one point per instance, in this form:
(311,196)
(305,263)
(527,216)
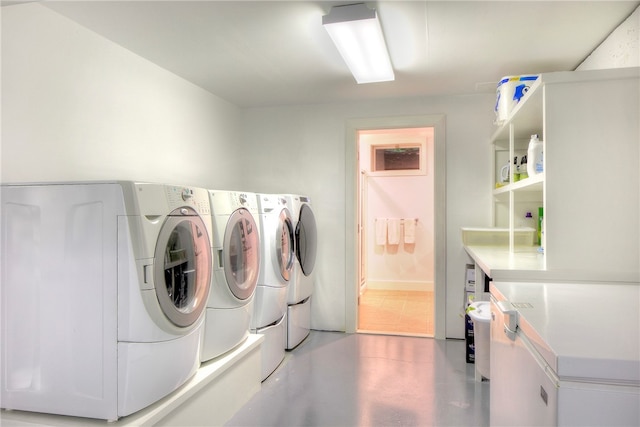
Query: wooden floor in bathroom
(396,312)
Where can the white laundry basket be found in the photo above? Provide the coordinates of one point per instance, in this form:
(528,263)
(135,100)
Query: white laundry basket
(480,313)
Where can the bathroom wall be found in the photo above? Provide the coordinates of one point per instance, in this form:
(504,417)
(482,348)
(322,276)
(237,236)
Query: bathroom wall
(410,197)
(76,106)
(403,266)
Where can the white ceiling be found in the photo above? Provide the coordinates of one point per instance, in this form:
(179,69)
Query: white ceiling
(262,53)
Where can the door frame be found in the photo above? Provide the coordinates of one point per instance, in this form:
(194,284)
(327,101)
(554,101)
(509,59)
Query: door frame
(436,121)
(362,195)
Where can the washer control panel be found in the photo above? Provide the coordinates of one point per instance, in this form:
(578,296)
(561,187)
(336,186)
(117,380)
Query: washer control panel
(197,198)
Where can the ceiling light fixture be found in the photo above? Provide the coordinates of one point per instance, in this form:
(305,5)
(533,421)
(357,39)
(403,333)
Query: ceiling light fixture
(356,32)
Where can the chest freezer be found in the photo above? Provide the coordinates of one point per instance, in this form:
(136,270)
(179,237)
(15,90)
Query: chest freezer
(565,354)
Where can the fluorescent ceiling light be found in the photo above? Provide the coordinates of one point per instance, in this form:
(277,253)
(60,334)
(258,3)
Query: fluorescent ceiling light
(356,32)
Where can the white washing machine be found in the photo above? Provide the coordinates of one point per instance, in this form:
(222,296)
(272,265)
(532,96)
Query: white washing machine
(301,285)
(104,287)
(277,254)
(236,265)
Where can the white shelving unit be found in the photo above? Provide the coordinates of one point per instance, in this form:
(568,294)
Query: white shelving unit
(513,199)
(589,123)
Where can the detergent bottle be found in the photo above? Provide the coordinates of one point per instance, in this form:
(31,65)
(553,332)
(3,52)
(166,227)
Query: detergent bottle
(534,156)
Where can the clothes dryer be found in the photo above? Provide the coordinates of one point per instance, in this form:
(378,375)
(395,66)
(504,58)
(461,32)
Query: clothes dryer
(236,259)
(104,287)
(277,254)
(301,286)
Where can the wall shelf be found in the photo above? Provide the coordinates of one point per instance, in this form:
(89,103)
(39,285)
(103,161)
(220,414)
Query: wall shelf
(589,128)
(532,183)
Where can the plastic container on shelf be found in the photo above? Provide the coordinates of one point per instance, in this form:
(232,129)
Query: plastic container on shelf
(480,313)
(534,156)
(540,225)
(509,92)
(524,172)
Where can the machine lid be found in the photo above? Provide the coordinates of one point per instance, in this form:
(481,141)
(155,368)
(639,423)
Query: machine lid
(480,312)
(568,328)
(241,252)
(306,239)
(285,243)
(182,267)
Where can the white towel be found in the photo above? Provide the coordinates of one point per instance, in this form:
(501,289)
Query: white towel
(381,231)
(409,231)
(393,231)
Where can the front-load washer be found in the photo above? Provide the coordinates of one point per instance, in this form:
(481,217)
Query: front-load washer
(236,265)
(277,254)
(301,286)
(104,287)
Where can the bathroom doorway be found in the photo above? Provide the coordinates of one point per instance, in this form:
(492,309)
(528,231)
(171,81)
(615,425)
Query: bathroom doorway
(396,239)
(360,223)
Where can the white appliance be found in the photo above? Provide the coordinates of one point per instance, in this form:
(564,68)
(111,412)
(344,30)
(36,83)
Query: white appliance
(301,285)
(103,289)
(565,354)
(236,265)
(270,305)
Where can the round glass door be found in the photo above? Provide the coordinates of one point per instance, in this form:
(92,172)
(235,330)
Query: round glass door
(182,267)
(306,239)
(242,253)
(284,244)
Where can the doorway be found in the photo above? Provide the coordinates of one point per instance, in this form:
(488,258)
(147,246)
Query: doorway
(395,219)
(358,276)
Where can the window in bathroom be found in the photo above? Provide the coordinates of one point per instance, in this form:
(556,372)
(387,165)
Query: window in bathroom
(398,159)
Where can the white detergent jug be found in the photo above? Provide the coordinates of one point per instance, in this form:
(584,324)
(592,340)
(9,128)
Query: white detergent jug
(535,163)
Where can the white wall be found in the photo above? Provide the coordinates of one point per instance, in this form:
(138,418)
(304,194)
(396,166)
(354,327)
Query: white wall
(76,106)
(621,49)
(301,149)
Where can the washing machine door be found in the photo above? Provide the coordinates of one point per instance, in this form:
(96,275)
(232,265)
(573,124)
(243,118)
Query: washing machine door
(241,252)
(306,240)
(285,243)
(183,267)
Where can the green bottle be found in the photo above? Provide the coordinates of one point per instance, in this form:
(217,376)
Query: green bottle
(540,223)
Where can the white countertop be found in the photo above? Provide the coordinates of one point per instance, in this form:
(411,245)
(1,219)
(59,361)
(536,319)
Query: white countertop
(525,263)
(499,263)
(489,249)
(584,331)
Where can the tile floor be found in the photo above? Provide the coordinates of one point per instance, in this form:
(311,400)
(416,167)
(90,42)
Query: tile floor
(337,379)
(401,312)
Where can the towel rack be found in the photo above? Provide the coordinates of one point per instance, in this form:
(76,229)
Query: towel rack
(408,219)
